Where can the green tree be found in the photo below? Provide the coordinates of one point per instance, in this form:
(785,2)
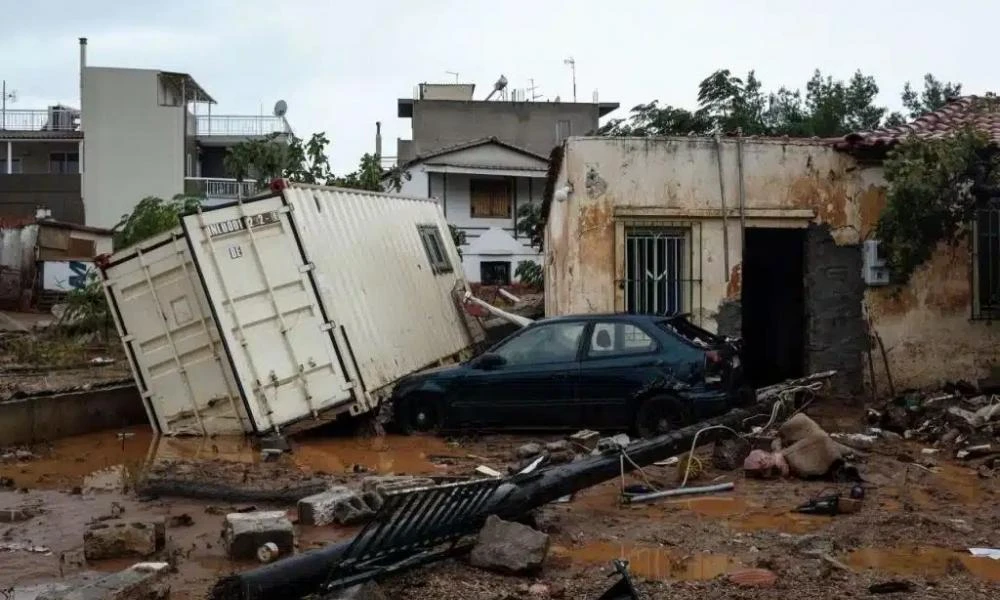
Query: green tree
(827,107)
(152,216)
(932,192)
(934,95)
(306,162)
(531,225)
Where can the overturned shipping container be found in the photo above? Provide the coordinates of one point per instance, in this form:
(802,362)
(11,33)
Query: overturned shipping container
(283,311)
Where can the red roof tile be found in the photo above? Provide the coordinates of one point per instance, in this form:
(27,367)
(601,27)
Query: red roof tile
(981,112)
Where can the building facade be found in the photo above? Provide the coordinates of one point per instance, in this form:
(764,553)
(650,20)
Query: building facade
(779,250)
(137,133)
(482,160)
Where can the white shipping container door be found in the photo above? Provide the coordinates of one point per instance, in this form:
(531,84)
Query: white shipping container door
(277,335)
(171,340)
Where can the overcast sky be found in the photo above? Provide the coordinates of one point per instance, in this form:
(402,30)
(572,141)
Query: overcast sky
(342,65)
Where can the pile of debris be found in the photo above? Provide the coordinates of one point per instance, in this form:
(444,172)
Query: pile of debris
(959,418)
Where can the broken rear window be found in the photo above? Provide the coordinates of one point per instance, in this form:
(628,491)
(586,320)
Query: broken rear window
(690,332)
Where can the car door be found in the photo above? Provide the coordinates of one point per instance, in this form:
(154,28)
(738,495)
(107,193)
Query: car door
(535,387)
(620,359)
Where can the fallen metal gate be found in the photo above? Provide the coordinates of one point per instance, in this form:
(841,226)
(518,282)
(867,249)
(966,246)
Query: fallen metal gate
(415,526)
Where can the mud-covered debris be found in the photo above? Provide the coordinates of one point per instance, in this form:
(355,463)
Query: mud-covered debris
(338,504)
(508,547)
(142,581)
(181,520)
(757,578)
(17,515)
(730,453)
(612,444)
(366,591)
(244,533)
(118,538)
(894,586)
(380,485)
(529,450)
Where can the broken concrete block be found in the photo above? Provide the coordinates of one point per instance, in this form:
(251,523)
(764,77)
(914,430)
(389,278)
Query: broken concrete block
(962,417)
(508,547)
(529,450)
(142,581)
(612,444)
(559,446)
(381,485)
(585,439)
(117,538)
(339,504)
(244,533)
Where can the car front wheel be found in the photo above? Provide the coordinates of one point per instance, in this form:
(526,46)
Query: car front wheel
(658,415)
(420,415)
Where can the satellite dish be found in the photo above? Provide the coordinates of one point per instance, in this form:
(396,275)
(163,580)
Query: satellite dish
(280,108)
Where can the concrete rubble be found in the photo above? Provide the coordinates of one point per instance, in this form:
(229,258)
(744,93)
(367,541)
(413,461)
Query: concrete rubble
(375,488)
(339,504)
(142,581)
(508,547)
(244,533)
(118,538)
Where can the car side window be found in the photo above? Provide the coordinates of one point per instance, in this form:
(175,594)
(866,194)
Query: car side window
(618,339)
(552,343)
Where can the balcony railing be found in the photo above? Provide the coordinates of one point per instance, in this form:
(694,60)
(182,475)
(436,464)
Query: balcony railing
(220,189)
(234,125)
(52,119)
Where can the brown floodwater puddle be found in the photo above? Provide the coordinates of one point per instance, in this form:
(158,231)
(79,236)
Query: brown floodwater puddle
(651,562)
(106,461)
(924,561)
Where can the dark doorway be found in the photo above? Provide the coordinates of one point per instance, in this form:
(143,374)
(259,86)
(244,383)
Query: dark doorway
(494,272)
(773,302)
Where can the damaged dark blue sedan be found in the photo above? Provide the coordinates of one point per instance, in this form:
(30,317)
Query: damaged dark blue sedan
(643,373)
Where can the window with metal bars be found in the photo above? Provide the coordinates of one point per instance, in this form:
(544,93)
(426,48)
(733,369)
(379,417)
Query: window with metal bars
(986,272)
(654,271)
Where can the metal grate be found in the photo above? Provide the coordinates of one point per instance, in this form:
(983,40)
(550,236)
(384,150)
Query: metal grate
(654,271)
(986,268)
(415,525)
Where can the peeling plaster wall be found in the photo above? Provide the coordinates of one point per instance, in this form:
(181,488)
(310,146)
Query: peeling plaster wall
(787,183)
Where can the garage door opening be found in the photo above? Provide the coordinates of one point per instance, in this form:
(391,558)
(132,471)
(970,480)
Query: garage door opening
(773,303)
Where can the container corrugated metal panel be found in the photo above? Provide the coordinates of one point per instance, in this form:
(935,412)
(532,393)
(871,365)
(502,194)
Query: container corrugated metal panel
(376,280)
(285,310)
(281,346)
(171,340)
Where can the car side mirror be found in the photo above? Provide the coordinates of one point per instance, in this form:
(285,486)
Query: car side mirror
(488,362)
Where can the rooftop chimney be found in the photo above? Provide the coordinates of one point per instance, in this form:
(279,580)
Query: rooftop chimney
(378,141)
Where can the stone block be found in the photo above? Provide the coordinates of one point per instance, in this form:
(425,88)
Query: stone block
(244,533)
(507,547)
(385,484)
(118,538)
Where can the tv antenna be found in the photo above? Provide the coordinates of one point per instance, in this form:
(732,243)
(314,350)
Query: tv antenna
(572,65)
(531,90)
(455,73)
(4,97)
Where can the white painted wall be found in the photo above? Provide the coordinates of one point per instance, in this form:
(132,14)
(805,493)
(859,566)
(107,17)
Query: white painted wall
(134,147)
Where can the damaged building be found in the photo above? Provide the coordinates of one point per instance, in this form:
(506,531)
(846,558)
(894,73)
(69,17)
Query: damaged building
(772,240)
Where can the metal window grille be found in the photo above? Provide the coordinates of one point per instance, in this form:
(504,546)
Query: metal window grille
(987,260)
(435,248)
(654,271)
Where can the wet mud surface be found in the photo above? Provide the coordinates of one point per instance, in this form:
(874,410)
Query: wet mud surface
(916,523)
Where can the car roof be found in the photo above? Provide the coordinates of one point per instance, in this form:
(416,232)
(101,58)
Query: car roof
(613,316)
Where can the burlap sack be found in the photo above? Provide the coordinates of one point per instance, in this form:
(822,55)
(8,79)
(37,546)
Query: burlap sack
(810,451)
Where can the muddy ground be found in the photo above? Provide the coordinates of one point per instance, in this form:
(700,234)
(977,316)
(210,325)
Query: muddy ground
(916,524)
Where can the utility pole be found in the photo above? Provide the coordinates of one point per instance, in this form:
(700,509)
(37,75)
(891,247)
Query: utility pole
(572,65)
